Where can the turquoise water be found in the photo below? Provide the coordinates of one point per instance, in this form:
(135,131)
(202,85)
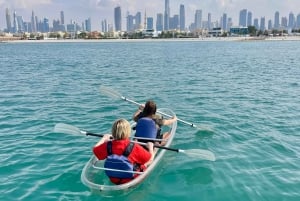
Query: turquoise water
(248,93)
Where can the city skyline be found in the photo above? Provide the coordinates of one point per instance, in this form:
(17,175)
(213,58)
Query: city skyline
(99,10)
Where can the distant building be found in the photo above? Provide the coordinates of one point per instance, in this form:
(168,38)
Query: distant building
(159,22)
(174,22)
(149,23)
(130,22)
(46,27)
(198,19)
(239,31)
(276,20)
(224,22)
(262,24)
(33,22)
(243,18)
(298,21)
(104,26)
(20,24)
(138,20)
(284,22)
(292,21)
(88,25)
(118,19)
(216,32)
(15,22)
(181,18)
(167,15)
(8,21)
(209,24)
(270,25)
(249,19)
(255,23)
(62,17)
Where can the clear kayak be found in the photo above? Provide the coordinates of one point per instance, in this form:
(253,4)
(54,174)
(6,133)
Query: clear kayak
(93,174)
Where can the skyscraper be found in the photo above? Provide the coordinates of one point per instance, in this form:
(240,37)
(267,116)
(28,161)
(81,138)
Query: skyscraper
(298,21)
(209,21)
(263,23)
(130,22)
(167,15)
(159,22)
(249,19)
(198,19)
(276,20)
(46,26)
(284,22)
(174,22)
(15,21)
(62,17)
(138,20)
(270,24)
(255,23)
(8,21)
(224,22)
(88,25)
(243,18)
(182,18)
(20,23)
(118,19)
(149,23)
(292,20)
(33,23)
(104,25)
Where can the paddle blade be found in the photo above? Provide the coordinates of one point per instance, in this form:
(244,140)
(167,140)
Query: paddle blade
(199,153)
(206,128)
(66,128)
(110,92)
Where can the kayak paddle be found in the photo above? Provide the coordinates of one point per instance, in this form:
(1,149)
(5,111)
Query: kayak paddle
(200,153)
(114,94)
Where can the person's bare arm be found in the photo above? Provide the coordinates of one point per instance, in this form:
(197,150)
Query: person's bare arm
(169,121)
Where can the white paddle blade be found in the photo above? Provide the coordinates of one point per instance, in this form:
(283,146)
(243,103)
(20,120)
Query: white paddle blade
(207,128)
(66,128)
(109,92)
(200,153)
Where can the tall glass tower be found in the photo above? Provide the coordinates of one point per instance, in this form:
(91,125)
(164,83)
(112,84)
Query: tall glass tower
(209,21)
(118,19)
(224,22)
(33,24)
(276,20)
(198,19)
(15,21)
(182,17)
(292,20)
(243,18)
(167,15)
(159,22)
(62,17)
(249,19)
(8,20)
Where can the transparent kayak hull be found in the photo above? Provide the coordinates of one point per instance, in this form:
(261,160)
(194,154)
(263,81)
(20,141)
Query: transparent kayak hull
(94,177)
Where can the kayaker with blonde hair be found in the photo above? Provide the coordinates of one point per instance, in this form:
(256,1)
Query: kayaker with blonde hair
(122,150)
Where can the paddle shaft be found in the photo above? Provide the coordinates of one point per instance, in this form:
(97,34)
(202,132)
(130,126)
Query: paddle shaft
(204,154)
(132,101)
(157,146)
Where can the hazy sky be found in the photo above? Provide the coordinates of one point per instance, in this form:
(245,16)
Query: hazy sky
(97,10)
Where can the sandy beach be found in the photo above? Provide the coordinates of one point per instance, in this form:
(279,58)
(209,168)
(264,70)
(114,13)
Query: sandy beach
(200,39)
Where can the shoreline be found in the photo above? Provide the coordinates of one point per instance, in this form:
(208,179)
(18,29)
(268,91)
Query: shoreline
(204,39)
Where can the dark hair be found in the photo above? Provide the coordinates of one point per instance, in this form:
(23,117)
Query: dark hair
(150,108)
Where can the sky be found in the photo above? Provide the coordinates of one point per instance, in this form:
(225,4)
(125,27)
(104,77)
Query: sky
(98,10)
